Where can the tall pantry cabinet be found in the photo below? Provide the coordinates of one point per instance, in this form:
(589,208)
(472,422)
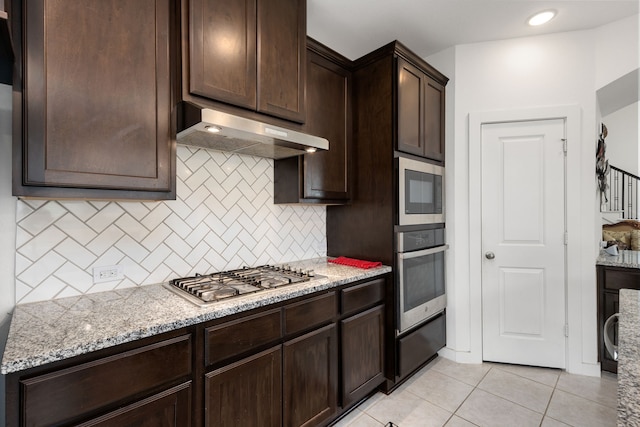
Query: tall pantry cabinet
(398,111)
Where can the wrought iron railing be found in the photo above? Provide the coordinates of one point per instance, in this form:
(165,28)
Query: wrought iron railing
(622,194)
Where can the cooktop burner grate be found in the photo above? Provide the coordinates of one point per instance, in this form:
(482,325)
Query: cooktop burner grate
(206,289)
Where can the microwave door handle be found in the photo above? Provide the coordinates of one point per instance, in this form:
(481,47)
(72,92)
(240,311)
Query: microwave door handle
(424,252)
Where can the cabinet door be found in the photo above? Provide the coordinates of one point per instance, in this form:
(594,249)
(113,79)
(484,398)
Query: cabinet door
(610,306)
(222,50)
(246,393)
(171,408)
(433,120)
(310,378)
(325,174)
(282,36)
(97,100)
(362,354)
(410,125)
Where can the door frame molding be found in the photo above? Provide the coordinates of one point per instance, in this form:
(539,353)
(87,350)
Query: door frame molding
(556,337)
(573,267)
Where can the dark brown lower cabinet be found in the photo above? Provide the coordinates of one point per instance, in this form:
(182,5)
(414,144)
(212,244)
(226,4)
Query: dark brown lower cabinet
(310,377)
(296,363)
(142,384)
(246,393)
(362,354)
(610,281)
(170,408)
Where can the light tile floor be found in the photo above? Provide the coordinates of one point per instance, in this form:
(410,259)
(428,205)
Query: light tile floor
(445,393)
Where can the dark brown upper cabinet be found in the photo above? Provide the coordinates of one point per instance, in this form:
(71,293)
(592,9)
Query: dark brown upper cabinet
(420,101)
(93,105)
(321,177)
(249,53)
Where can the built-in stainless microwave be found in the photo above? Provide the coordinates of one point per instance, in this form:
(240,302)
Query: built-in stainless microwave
(420,192)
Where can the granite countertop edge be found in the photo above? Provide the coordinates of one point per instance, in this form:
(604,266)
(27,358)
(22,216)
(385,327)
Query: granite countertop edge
(50,331)
(624,259)
(628,358)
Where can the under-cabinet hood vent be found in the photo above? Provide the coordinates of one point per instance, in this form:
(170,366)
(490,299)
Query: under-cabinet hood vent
(203,127)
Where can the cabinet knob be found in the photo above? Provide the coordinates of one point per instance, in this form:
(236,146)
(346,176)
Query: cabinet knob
(490,255)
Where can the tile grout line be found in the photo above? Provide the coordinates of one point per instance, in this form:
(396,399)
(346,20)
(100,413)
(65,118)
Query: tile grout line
(466,398)
(546,409)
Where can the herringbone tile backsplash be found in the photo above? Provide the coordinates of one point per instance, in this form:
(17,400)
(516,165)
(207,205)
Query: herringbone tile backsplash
(223,218)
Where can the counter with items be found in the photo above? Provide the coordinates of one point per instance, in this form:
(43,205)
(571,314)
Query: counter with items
(49,331)
(629,358)
(624,259)
(297,344)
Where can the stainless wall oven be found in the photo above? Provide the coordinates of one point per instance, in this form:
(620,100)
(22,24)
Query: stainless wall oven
(421,275)
(420,192)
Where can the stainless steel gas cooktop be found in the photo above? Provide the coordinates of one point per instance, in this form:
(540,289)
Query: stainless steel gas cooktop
(207,289)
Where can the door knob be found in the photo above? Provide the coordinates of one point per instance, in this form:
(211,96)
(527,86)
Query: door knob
(490,255)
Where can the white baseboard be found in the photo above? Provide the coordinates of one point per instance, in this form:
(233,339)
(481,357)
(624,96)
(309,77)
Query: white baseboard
(459,356)
(588,369)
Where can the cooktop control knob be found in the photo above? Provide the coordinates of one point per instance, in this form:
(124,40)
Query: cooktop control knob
(311,273)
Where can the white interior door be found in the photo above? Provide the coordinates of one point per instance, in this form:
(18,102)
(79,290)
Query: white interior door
(523,241)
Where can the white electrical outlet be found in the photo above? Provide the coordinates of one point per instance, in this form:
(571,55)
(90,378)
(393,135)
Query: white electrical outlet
(108,273)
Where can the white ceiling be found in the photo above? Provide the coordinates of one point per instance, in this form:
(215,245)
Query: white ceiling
(356,27)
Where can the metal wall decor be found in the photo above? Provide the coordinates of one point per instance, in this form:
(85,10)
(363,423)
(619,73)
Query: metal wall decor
(602,164)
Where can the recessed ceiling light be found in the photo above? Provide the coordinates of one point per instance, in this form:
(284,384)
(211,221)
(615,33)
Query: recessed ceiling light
(542,18)
(212,129)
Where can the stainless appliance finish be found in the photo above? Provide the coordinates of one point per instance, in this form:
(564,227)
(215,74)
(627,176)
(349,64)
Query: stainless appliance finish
(207,289)
(420,192)
(216,130)
(421,276)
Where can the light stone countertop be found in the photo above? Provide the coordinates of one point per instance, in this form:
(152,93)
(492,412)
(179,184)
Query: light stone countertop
(626,259)
(49,331)
(629,358)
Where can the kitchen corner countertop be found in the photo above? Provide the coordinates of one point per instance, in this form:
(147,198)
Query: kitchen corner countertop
(49,331)
(629,358)
(626,259)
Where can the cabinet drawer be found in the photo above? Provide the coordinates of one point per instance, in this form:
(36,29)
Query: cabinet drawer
(169,408)
(622,278)
(421,344)
(362,296)
(237,337)
(309,313)
(69,393)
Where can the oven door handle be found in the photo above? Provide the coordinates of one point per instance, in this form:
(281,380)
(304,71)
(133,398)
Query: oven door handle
(423,252)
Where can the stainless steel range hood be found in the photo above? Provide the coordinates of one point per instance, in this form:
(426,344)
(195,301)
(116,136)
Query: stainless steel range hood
(216,130)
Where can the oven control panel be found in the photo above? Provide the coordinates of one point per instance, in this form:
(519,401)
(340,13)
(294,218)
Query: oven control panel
(421,239)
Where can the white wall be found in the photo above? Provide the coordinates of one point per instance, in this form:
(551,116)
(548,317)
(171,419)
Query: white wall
(7,227)
(525,73)
(617,55)
(623,146)
(617,50)
(536,73)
